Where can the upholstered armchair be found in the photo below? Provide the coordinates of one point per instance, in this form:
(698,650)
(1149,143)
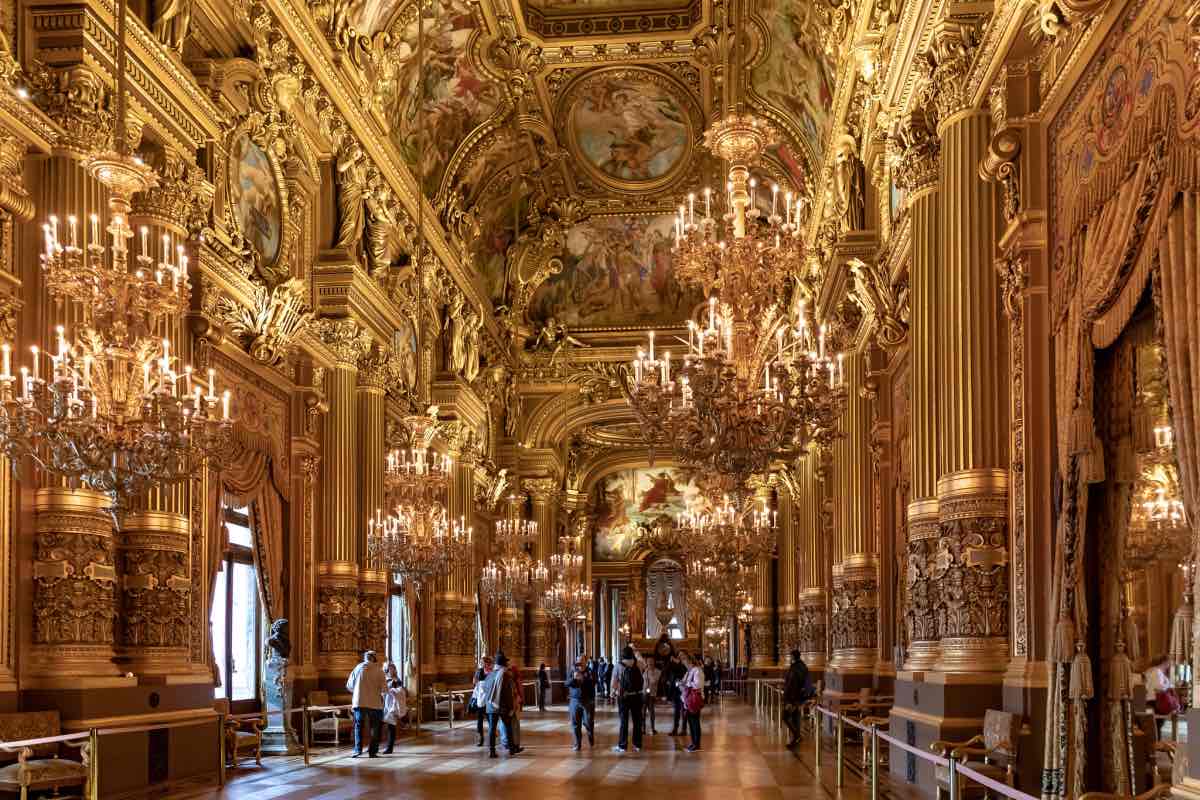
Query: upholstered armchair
(992,753)
(329,727)
(242,735)
(39,768)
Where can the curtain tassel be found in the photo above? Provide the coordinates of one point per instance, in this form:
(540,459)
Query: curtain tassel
(1081,687)
(1133,639)
(1120,670)
(1064,641)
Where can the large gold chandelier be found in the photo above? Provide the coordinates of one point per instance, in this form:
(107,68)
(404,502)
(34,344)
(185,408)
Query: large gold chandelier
(1158,527)
(754,381)
(514,576)
(418,540)
(108,405)
(569,597)
(718,591)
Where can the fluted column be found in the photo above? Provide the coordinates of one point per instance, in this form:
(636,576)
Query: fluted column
(457,622)
(762,616)
(855,629)
(813,556)
(788,575)
(545,496)
(972,487)
(917,173)
(338,614)
(371,397)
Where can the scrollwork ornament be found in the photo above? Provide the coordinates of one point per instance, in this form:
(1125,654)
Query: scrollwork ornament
(951,51)
(916,152)
(276,317)
(345,337)
(882,302)
(1001,165)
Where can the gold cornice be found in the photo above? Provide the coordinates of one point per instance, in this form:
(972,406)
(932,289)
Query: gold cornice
(298,25)
(459,398)
(343,288)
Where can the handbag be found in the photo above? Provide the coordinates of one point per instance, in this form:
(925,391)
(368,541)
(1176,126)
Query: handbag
(693,700)
(1166,702)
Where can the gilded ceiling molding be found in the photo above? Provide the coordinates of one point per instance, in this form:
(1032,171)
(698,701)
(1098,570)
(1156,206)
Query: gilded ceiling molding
(537,255)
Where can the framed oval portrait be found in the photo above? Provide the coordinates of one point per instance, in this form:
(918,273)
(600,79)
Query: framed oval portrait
(255,197)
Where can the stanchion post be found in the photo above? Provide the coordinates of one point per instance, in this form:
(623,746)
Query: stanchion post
(874,762)
(451,701)
(838,733)
(953,773)
(304,731)
(93,765)
(817,738)
(221,748)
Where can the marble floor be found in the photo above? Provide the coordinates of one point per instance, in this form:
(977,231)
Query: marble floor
(741,759)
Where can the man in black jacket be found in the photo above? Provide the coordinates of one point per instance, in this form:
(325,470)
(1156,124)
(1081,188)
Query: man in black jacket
(581,697)
(795,693)
(673,674)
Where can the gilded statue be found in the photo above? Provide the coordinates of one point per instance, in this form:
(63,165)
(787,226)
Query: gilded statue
(472,325)
(351,191)
(849,185)
(553,337)
(455,328)
(512,406)
(381,224)
(172,23)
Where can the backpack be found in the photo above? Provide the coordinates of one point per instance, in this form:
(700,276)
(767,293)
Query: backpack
(631,681)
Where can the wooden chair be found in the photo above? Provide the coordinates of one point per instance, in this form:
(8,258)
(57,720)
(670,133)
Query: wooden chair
(39,768)
(328,727)
(442,703)
(992,753)
(242,735)
(1160,755)
(1158,792)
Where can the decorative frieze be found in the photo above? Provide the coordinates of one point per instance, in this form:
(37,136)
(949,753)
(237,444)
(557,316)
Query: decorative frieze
(338,609)
(811,626)
(155,590)
(854,621)
(373,613)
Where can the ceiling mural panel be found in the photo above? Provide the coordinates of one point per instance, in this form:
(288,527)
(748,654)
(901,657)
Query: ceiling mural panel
(617,270)
(371,16)
(632,129)
(631,498)
(457,95)
(796,77)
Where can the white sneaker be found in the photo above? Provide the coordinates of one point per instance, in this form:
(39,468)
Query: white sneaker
(618,749)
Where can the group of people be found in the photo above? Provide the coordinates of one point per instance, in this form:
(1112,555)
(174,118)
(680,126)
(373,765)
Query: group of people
(637,683)
(378,698)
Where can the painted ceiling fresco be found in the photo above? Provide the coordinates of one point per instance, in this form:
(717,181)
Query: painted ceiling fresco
(457,95)
(626,500)
(617,271)
(796,77)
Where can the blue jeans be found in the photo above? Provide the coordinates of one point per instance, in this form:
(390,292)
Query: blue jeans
(583,716)
(372,717)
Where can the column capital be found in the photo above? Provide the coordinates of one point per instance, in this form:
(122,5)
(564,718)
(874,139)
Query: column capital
(951,50)
(918,150)
(378,368)
(1002,165)
(345,337)
(542,490)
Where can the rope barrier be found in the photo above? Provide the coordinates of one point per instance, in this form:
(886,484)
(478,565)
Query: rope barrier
(916,751)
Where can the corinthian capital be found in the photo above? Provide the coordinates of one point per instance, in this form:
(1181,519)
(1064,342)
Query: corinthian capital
(542,490)
(77,99)
(917,152)
(348,340)
(377,368)
(951,50)
(883,303)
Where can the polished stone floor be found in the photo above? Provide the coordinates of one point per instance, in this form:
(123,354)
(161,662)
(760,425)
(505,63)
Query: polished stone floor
(741,759)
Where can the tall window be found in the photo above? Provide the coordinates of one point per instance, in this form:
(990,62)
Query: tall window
(237,616)
(398,628)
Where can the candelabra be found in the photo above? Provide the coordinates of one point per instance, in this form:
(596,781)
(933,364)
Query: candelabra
(418,476)
(717,590)
(730,534)
(514,576)
(569,597)
(418,544)
(1158,527)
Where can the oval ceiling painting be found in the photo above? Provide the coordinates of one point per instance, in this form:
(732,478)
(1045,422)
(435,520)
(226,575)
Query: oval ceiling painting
(255,197)
(632,127)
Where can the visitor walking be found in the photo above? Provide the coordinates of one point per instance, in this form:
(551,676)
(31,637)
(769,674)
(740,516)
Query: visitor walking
(395,704)
(710,679)
(693,699)
(367,685)
(518,707)
(581,703)
(650,678)
(628,687)
(673,678)
(543,686)
(500,694)
(478,701)
(795,692)
(603,676)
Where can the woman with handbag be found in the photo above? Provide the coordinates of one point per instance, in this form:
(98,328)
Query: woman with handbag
(477,705)
(1160,689)
(692,687)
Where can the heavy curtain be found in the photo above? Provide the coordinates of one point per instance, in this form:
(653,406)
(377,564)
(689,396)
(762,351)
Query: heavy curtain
(246,480)
(1179,276)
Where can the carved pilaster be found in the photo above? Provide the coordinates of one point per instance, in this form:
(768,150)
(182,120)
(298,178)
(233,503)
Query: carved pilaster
(922,593)
(811,627)
(338,632)
(854,620)
(155,593)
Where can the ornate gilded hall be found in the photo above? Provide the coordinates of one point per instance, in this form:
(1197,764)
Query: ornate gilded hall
(862,333)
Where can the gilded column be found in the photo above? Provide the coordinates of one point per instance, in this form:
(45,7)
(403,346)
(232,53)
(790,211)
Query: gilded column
(854,621)
(808,514)
(917,173)
(462,504)
(762,617)
(545,495)
(971,564)
(337,574)
(789,622)
(371,397)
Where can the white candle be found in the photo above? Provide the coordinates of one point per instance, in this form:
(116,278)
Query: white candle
(753,192)
(196,404)
(821,342)
(166,248)
(774,199)
(787,207)
(767,378)
(212,384)
(667,367)
(692,208)
(841,372)
(707,202)
(54,227)
(652,346)
(35,352)
(24,383)
(71,220)
(95,229)
(7,351)
(146,376)
(87,372)
(225,405)
(712,313)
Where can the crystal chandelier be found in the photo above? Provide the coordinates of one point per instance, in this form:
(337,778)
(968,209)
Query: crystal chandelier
(417,475)
(420,545)
(569,597)
(514,576)
(716,590)
(109,406)
(730,534)
(1158,527)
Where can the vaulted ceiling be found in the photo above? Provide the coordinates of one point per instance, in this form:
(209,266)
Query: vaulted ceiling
(598,103)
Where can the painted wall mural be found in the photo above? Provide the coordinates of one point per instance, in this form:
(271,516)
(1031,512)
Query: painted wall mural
(630,498)
(617,271)
(629,127)
(457,96)
(371,16)
(255,196)
(796,77)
